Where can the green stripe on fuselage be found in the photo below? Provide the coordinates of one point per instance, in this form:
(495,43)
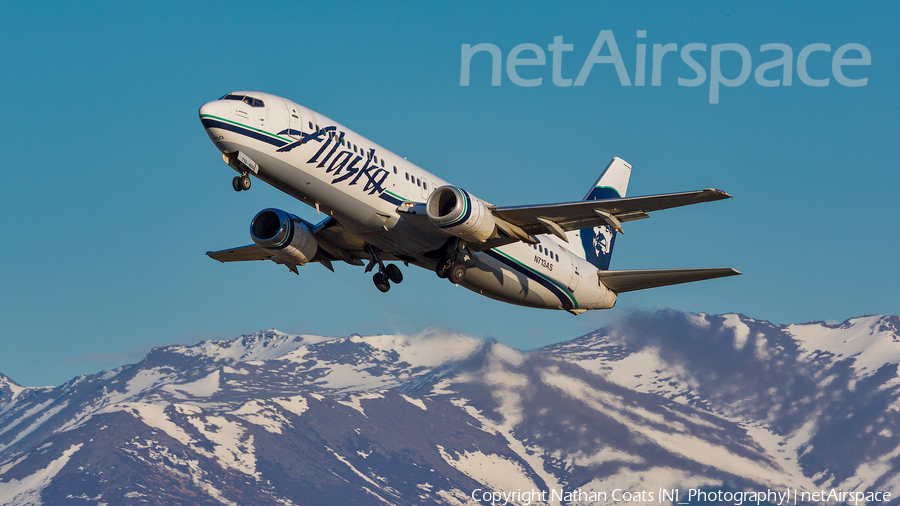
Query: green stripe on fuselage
(398,197)
(248,127)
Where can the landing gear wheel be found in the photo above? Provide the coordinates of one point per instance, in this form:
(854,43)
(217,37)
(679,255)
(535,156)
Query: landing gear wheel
(236,183)
(393,273)
(457,273)
(443,268)
(244,182)
(381,282)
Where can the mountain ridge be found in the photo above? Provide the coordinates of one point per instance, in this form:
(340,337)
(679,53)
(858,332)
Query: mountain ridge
(656,400)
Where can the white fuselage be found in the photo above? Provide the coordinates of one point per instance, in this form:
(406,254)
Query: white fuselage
(361,185)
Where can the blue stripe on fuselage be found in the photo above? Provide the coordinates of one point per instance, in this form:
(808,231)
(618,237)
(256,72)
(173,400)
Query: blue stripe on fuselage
(211,123)
(389,198)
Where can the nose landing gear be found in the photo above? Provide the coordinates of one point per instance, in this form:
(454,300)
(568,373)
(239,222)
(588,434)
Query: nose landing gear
(241,182)
(386,273)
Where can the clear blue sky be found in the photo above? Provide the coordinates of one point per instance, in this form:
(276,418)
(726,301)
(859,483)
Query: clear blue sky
(112,192)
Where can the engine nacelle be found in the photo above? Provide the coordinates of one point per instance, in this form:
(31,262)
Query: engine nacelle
(289,240)
(457,212)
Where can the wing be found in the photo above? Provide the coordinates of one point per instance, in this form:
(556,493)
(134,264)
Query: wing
(242,254)
(334,244)
(251,252)
(627,281)
(559,218)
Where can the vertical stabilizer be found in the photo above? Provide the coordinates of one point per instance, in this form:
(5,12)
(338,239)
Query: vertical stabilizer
(596,244)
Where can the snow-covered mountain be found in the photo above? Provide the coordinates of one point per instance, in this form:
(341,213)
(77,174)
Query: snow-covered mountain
(662,400)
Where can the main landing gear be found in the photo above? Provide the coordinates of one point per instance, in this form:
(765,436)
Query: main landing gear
(450,268)
(453,265)
(241,182)
(386,273)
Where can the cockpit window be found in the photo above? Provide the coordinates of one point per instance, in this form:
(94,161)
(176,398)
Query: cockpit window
(252,102)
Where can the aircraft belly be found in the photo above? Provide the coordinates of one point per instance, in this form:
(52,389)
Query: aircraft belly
(503,277)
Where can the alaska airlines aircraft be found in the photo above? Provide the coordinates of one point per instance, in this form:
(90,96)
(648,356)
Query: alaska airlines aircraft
(382,208)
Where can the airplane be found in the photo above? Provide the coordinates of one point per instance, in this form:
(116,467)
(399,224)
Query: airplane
(382,208)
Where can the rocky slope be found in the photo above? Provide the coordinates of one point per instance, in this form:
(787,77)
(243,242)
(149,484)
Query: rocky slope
(657,401)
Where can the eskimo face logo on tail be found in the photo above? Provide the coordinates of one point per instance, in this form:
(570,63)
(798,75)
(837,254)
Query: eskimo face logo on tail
(598,245)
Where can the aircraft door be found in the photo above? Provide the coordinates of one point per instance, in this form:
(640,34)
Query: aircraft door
(573,279)
(295,125)
(425,188)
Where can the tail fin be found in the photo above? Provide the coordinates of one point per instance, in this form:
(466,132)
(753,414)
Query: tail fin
(597,242)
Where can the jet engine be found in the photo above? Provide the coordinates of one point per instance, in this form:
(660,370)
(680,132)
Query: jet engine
(457,212)
(277,232)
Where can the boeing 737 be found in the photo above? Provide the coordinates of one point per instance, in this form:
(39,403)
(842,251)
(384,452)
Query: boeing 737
(382,210)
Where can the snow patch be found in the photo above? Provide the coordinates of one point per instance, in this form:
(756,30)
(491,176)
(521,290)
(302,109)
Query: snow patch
(861,338)
(295,404)
(741,330)
(605,455)
(145,380)
(419,403)
(652,479)
(203,387)
(698,320)
(6,467)
(154,415)
(230,445)
(494,471)
(678,443)
(27,491)
(354,401)
(260,413)
(20,418)
(46,415)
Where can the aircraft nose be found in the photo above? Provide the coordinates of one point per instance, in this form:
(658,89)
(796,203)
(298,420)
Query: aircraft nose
(216,108)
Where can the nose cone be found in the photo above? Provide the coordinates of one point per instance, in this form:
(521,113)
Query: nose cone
(214,115)
(216,109)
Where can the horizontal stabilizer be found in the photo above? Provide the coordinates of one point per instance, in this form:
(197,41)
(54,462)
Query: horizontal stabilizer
(627,281)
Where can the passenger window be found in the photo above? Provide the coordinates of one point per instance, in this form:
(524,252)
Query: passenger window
(310,125)
(382,164)
(395,169)
(425,186)
(407,176)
